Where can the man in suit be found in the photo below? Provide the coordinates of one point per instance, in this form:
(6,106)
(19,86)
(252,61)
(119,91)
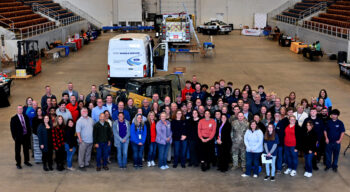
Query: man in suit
(70,91)
(20,130)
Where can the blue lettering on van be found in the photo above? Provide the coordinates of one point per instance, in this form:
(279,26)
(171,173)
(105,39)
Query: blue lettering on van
(134,61)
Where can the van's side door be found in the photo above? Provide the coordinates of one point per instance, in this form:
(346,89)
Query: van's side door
(160,56)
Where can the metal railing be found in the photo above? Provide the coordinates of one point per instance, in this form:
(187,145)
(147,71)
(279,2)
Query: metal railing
(288,19)
(318,7)
(36,7)
(332,30)
(11,27)
(69,20)
(81,13)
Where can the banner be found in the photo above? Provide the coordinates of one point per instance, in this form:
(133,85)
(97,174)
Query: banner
(252,32)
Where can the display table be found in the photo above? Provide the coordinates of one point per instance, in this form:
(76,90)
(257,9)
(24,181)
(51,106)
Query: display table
(72,45)
(174,53)
(55,53)
(5,91)
(66,48)
(78,43)
(252,32)
(296,47)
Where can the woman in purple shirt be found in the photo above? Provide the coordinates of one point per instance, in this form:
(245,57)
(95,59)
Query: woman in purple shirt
(164,140)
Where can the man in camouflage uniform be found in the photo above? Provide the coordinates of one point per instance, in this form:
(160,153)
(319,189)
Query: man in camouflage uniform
(239,128)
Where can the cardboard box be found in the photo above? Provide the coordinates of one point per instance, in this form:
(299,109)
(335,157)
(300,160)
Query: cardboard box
(21,72)
(179,69)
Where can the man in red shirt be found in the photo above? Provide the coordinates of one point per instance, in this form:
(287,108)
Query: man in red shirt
(187,89)
(73,108)
(206,133)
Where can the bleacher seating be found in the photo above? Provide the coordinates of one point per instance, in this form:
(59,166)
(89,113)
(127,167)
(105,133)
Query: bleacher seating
(19,17)
(338,14)
(301,9)
(55,8)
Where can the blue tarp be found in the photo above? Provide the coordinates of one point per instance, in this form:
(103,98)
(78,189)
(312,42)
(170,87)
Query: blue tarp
(66,48)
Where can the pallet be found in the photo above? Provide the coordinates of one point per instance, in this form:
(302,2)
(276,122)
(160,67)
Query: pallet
(21,77)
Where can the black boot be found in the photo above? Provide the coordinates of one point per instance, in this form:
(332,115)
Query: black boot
(50,167)
(203,166)
(45,167)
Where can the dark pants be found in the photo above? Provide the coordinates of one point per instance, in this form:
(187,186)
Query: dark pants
(60,156)
(332,150)
(206,151)
(102,154)
(137,154)
(280,157)
(224,156)
(47,158)
(308,162)
(152,149)
(193,148)
(320,151)
(25,142)
(252,163)
(291,157)
(180,151)
(162,154)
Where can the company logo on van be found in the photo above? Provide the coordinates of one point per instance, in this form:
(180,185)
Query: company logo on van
(134,61)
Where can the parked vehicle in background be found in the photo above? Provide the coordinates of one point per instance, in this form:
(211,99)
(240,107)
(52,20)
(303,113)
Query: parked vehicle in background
(175,28)
(214,27)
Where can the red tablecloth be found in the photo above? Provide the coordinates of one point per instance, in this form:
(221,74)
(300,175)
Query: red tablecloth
(78,43)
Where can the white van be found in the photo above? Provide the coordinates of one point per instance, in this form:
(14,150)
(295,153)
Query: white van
(131,56)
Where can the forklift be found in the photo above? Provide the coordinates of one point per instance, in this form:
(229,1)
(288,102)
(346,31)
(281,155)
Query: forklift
(29,57)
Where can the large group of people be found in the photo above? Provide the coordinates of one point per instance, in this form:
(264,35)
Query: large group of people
(203,127)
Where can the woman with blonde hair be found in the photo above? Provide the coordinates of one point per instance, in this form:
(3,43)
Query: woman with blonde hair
(151,138)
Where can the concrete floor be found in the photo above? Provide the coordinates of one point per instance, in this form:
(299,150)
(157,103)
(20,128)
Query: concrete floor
(239,59)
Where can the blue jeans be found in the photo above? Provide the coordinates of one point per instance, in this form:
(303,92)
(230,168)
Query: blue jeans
(291,157)
(69,155)
(137,154)
(252,162)
(152,151)
(280,158)
(180,149)
(332,149)
(162,154)
(122,154)
(102,153)
(308,162)
(273,167)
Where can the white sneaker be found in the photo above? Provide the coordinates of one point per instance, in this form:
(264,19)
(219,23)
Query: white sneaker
(70,168)
(244,175)
(287,172)
(309,175)
(162,168)
(255,176)
(293,173)
(166,167)
(153,163)
(306,174)
(148,164)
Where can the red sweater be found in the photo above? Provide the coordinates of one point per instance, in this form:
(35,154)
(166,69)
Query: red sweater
(184,91)
(206,128)
(289,138)
(153,132)
(73,110)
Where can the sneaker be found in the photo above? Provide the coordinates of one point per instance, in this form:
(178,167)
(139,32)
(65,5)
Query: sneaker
(308,175)
(244,175)
(266,178)
(105,168)
(326,169)
(70,168)
(305,174)
(149,164)
(287,172)
(153,163)
(174,166)
(166,167)
(255,176)
(335,169)
(162,168)
(293,173)
(272,178)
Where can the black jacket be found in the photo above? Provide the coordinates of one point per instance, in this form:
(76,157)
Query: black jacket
(69,137)
(148,138)
(225,134)
(17,129)
(309,140)
(178,128)
(35,124)
(280,127)
(45,137)
(192,130)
